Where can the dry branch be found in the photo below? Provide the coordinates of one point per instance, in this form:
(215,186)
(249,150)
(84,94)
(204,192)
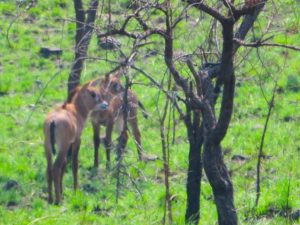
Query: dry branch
(258,44)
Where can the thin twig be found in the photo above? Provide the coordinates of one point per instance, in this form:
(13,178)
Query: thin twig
(260,151)
(265,44)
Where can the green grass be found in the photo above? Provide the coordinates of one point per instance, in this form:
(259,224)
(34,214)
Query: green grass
(30,85)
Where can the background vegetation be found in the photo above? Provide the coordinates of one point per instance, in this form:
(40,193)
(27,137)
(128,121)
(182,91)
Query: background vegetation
(31,84)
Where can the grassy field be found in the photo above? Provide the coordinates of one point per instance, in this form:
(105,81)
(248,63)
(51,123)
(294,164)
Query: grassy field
(30,85)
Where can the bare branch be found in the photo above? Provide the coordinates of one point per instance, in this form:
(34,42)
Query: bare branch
(247,24)
(168,95)
(241,33)
(148,31)
(209,10)
(260,151)
(197,78)
(258,44)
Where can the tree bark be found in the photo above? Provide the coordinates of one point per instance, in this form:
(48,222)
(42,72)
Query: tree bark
(219,180)
(213,163)
(193,186)
(194,174)
(84,30)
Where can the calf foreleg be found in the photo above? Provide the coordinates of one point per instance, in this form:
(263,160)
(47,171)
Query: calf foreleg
(107,142)
(96,131)
(75,150)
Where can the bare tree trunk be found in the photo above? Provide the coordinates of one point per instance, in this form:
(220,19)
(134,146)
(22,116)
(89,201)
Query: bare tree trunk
(214,166)
(219,180)
(84,30)
(193,186)
(194,174)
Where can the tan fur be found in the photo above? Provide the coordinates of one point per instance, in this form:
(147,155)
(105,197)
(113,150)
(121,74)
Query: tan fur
(68,119)
(114,117)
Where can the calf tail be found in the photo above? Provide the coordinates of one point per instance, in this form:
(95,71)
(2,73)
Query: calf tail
(145,114)
(52,137)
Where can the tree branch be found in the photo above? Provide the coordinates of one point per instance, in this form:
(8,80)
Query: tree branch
(209,10)
(258,44)
(83,36)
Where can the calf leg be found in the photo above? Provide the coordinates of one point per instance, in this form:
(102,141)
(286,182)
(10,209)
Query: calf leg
(75,149)
(137,137)
(49,173)
(50,181)
(69,155)
(96,131)
(57,173)
(107,143)
(64,163)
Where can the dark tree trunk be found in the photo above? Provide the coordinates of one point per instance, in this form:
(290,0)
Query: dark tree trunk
(214,128)
(194,174)
(193,186)
(84,30)
(219,180)
(213,163)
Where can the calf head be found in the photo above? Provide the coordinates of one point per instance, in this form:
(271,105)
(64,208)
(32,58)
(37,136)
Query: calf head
(93,97)
(112,84)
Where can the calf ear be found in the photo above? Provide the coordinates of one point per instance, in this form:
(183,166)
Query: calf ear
(105,79)
(118,74)
(95,83)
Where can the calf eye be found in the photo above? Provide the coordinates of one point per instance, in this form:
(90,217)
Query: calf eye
(115,86)
(93,94)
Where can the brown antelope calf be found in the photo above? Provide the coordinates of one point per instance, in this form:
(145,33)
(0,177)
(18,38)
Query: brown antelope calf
(111,84)
(63,126)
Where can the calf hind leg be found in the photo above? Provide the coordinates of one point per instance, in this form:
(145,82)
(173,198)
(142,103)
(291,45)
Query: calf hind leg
(49,178)
(57,172)
(137,138)
(64,163)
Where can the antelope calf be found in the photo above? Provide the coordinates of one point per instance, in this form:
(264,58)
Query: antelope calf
(113,116)
(63,126)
